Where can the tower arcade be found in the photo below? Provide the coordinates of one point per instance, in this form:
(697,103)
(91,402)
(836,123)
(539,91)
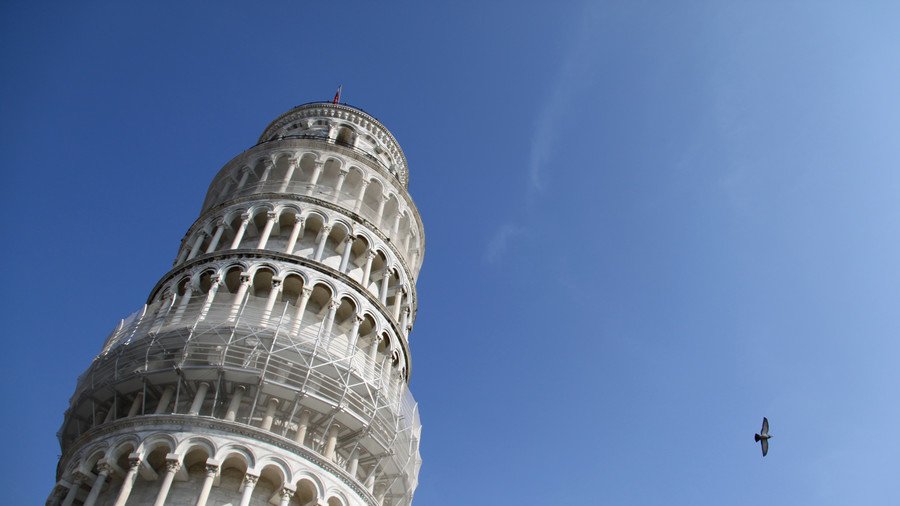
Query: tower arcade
(270,365)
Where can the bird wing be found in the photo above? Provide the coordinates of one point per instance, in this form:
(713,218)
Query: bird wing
(765,427)
(765,446)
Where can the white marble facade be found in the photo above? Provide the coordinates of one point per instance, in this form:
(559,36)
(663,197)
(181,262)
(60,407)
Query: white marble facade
(270,365)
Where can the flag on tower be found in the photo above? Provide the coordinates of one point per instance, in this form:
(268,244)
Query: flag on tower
(337,94)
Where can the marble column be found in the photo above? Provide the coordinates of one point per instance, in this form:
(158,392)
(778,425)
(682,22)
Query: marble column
(331,442)
(267,230)
(164,400)
(199,398)
(135,405)
(340,184)
(286,495)
(134,463)
(295,234)
(172,467)
(239,296)
(348,247)
(302,427)
(326,230)
(398,302)
(329,320)
(217,236)
(197,243)
(292,165)
(367,271)
(301,308)
(182,304)
(360,196)
(264,178)
(104,470)
(317,172)
(385,280)
(379,213)
(210,296)
(235,403)
(249,484)
(244,175)
(211,471)
(239,235)
(269,416)
(270,301)
(77,479)
(354,333)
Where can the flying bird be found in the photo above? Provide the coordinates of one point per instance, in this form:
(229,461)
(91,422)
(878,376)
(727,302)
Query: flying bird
(764,436)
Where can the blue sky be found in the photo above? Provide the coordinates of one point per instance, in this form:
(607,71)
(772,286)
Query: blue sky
(648,225)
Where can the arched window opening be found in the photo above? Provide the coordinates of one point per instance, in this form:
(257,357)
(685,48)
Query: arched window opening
(346,137)
(291,289)
(262,283)
(233,279)
(305,494)
(304,172)
(334,246)
(312,228)
(232,472)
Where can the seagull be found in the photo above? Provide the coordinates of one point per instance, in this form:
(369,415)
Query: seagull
(764,436)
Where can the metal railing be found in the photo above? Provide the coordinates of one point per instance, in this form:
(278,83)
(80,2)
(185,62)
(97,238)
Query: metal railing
(276,347)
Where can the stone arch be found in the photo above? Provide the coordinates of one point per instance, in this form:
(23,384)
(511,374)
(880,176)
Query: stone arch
(405,229)
(231,277)
(368,329)
(273,475)
(94,455)
(346,135)
(236,461)
(202,281)
(344,317)
(259,215)
(157,440)
(182,285)
(127,443)
(372,199)
(257,168)
(288,218)
(391,211)
(352,183)
(330,173)
(358,249)
(309,488)
(313,224)
(238,451)
(380,269)
(336,499)
(196,442)
(154,450)
(292,287)
(305,167)
(335,244)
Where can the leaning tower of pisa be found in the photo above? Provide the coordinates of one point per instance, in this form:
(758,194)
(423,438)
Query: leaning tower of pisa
(270,364)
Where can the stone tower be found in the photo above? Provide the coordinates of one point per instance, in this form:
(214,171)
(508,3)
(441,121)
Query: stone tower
(270,364)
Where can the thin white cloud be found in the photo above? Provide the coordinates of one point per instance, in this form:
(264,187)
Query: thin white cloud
(578,69)
(499,243)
